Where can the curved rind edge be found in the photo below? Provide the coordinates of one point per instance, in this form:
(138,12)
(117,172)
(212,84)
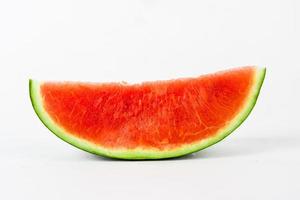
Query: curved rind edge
(139,153)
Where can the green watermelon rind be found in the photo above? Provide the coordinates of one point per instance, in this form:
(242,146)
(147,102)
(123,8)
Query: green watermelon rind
(142,153)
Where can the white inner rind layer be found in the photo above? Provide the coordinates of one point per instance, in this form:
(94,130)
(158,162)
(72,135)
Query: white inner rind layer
(143,153)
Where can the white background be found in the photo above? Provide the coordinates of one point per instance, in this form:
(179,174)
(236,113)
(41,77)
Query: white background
(149,40)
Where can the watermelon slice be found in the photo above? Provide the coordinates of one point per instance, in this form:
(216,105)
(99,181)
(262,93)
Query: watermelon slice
(151,120)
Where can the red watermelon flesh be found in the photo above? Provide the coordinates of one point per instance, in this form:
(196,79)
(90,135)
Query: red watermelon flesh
(162,116)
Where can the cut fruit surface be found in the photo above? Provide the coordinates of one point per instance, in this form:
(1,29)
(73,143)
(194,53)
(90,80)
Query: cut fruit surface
(151,120)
